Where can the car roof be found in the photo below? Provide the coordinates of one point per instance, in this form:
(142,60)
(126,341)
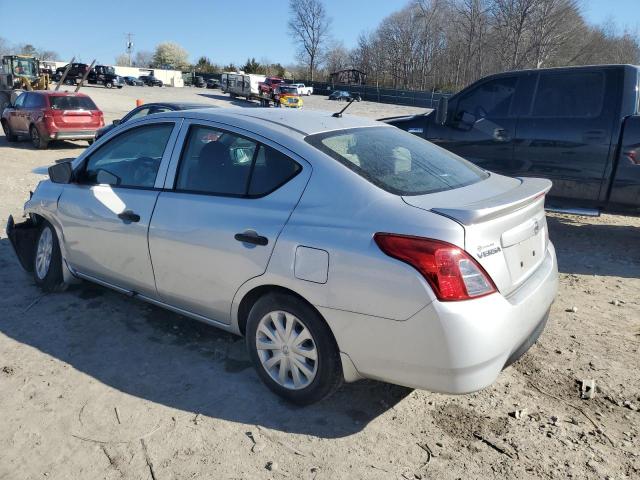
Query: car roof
(53,93)
(298,122)
(179,105)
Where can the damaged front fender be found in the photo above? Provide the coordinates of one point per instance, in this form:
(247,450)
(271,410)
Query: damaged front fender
(23,237)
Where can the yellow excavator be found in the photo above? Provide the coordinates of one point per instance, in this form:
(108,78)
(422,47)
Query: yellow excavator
(20,72)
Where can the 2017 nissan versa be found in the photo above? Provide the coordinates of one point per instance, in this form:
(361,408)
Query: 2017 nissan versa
(341,248)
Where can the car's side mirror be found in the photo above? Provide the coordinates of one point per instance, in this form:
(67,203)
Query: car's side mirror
(61,172)
(117,121)
(442,111)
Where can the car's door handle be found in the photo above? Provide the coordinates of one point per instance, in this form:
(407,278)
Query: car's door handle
(251,237)
(129,216)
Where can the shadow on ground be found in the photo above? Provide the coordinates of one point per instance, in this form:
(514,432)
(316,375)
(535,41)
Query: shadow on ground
(595,248)
(171,360)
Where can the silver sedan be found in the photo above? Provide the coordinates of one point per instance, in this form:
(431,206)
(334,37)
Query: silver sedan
(341,248)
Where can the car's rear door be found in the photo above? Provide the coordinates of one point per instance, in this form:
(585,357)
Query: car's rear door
(105,213)
(566,133)
(226,199)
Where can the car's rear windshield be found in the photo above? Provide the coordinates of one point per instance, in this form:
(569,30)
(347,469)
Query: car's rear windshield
(397,161)
(72,103)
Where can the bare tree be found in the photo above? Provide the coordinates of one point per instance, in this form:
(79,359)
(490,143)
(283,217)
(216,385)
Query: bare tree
(447,44)
(309,28)
(143,58)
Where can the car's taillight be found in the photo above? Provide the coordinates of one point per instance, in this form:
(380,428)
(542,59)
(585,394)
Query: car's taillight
(452,273)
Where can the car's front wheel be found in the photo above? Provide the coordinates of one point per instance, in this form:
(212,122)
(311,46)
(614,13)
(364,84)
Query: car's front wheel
(11,137)
(292,349)
(47,260)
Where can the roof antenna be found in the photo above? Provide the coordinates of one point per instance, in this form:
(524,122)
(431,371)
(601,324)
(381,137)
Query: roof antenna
(339,114)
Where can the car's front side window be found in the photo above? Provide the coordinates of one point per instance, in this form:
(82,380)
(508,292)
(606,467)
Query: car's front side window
(131,159)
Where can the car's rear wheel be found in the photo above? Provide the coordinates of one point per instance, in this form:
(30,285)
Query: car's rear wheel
(37,140)
(292,349)
(11,137)
(47,260)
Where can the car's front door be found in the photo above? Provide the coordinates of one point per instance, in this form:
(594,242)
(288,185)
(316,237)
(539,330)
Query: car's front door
(482,125)
(105,213)
(226,199)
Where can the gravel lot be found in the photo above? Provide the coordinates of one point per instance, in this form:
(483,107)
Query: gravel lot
(96,385)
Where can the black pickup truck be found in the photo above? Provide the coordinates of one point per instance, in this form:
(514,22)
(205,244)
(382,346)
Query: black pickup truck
(105,75)
(577,126)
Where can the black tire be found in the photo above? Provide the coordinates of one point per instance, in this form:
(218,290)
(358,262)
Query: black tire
(108,85)
(90,142)
(11,137)
(328,376)
(37,140)
(52,280)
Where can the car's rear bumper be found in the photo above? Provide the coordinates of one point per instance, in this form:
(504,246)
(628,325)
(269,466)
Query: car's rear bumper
(73,135)
(449,347)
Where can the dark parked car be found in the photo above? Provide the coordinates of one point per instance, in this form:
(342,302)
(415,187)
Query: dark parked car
(133,81)
(44,116)
(199,82)
(344,96)
(577,126)
(148,109)
(213,83)
(151,81)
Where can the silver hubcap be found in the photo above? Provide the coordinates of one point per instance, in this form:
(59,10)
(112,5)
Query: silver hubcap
(43,254)
(287,350)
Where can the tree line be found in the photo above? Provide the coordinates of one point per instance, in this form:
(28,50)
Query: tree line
(447,44)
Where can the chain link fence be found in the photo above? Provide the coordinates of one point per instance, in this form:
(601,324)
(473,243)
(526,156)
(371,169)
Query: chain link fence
(413,98)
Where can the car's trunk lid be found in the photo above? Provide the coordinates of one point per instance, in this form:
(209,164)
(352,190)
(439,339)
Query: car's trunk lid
(504,223)
(76,118)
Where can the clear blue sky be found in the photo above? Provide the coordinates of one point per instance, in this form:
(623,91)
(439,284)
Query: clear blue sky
(225,31)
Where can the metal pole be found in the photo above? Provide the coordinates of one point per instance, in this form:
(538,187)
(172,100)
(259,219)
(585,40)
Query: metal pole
(86,74)
(64,75)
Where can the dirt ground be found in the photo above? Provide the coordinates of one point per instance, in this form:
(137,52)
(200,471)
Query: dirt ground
(97,385)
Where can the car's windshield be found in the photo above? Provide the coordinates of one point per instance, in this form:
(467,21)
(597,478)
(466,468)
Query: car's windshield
(397,161)
(72,103)
(288,89)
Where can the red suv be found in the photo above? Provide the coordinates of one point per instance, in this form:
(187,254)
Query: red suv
(44,116)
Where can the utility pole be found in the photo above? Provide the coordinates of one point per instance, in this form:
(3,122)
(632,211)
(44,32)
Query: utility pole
(129,46)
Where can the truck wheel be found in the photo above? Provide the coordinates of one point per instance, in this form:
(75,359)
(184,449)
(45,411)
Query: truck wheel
(11,137)
(47,260)
(108,85)
(37,140)
(292,349)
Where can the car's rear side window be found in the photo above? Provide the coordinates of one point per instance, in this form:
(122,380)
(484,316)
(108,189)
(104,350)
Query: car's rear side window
(71,103)
(397,161)
(569,95)
(218,162)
